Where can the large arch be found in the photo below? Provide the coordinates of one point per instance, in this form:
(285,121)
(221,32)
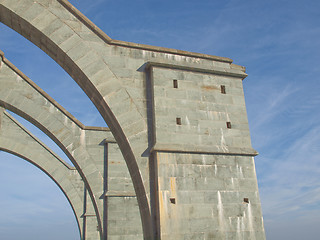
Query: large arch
(42,22)
(17,140)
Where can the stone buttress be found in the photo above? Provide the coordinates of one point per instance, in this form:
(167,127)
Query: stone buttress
(177,162)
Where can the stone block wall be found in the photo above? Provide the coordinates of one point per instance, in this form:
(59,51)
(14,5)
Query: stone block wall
(180,163)
(192,111)
(203,159)
(208,196)
(121,206)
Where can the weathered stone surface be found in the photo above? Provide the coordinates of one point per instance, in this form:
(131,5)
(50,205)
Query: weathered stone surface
(180,155)
(17,140)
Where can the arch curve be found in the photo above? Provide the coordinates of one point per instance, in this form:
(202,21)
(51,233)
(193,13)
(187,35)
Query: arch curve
(41,22)
(21,96)
(16,140)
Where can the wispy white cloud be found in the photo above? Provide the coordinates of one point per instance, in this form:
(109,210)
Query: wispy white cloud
(292,183)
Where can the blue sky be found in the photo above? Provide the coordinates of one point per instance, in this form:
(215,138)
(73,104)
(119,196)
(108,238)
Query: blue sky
(278,43)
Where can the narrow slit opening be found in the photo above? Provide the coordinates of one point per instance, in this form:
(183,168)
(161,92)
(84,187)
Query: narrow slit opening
(175,83)
(178,120)
(223,89)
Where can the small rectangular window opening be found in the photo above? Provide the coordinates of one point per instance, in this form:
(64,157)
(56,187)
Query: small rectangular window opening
(178,121)
(246,200)
(223,89)
(228,124)
(173,200)
(175,83)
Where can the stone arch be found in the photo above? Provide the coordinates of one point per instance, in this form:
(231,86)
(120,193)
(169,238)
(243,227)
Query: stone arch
(78,51)
(21,96)
(18,141)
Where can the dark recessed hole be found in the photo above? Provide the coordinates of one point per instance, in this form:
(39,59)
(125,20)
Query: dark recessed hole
(223,89)
(175,83)
(246,200)
(173,200)
(228,124)
(178,121)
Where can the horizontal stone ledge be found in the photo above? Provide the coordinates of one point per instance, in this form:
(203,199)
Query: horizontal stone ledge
(91,128)
(210,150)
(169,51)
(110,140)
(88,215)
(214,70)
(120,194)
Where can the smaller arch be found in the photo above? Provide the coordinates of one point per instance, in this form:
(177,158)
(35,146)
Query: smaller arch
(16,140)
(78,217)
(42,137)
(23,97)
